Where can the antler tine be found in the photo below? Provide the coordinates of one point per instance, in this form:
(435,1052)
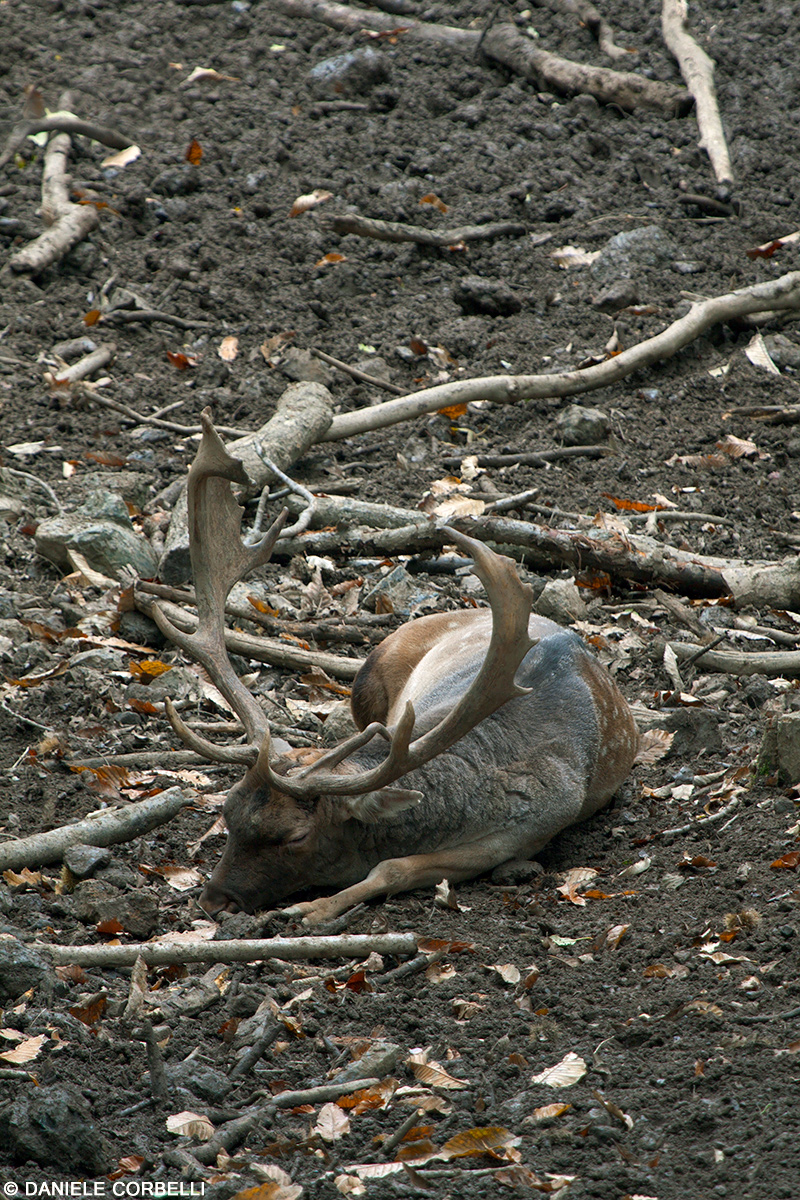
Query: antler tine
(493,686)
(219,560)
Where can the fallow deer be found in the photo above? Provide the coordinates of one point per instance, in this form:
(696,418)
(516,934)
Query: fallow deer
(483,733)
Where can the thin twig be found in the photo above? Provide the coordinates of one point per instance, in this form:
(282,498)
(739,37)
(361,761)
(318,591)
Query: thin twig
(395,231)
(304,520)
(702,822)
(354,372)
(63,123)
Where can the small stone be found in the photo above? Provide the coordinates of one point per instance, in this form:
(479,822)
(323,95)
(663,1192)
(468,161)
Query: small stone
(301,366)
(628,253)
(352,74)
(102,532)
(95,900)
(202,1080)
(617,296)
(53,1126)
(380,1060)
(21,969)
(398,592)
(561,601)
(493,297)
(579,426)
(84,860)
(178,180)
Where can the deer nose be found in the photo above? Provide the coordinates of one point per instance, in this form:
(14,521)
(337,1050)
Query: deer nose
(214,900)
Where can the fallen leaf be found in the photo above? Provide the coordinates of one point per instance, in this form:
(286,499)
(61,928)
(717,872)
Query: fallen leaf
(787,862)
(349,1185)
(548,1111)
(122,157)
(433,199)
(207,75)
(653,745)
(332,1123)
(228,348)
(568,257)
(309,200)
(507,972)
(190,1124)
(328,259)
(564,1074)
(493,1140)
(433,1075)
(26,1051)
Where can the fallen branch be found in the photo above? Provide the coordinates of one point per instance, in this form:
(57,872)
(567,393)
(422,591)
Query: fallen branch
(106,828)
(505,44)
(533,458)
(83,368)
(301,419)
(588,15)
(69,223)
(125,410)
(395,231)
(234,1132)
(261,649)
(130,316)
(172,954)
(702,822)
(634,557)
(698,71)
(779,294)
(63,123)
(773,663)
(354,373)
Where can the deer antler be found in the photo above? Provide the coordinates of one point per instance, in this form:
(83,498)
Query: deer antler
(492,687)
(219,560)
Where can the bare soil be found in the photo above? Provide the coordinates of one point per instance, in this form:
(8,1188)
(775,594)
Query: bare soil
(690,1024)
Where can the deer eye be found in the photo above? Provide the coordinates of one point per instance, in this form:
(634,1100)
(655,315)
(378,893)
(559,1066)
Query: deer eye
(294,842)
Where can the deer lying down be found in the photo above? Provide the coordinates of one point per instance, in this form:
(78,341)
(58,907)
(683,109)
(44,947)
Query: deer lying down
(483,734)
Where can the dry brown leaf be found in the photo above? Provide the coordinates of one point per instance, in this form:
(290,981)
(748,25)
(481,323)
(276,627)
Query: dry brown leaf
(507,972)
(434,1075)
(564,1074)
(653,745)
(26,1050)
(309,200)
(207,75)
(349,1185)
(228,348)
(190,1124)
(573,256)
(493,1140)
(332,1123)
(548,1111)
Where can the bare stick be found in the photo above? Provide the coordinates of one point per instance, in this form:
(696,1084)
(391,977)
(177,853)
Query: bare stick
(698,71)
(63,123)
(267,650)
(69,223)
(732,662)
(506,45)
(779,294)
(354,373)
(533,458)
(126,316)
(703,821)
(159,954)
(103,829)
(230,1135)
(125,410)
(84,367)
(395,231)
(588,15)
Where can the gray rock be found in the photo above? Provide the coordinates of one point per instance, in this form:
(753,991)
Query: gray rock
(398,592)
(561,601)
(787,747)
(493,297)
(618,295)
(53,1126)
(626,255)
(102,532)
(202,1080)
(782,350)
(302,366)
(355,73)
(21,969)
(379,1060)
(579,426)
(178,180)
(84,860)
(94,900)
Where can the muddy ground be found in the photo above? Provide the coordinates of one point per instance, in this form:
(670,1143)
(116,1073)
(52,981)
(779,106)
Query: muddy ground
(688,1018)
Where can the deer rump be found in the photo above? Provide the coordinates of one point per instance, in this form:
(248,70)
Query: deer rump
(484,733)
(539,763)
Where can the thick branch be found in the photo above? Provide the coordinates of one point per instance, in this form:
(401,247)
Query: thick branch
(70,223)
(106,829)
(698,71)
(302,418)
(778,294)
(158,954)
(505,44)
(731,662)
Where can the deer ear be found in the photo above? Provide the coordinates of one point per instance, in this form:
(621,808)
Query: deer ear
(382,805)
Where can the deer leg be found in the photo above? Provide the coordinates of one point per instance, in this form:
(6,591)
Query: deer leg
(415,871)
